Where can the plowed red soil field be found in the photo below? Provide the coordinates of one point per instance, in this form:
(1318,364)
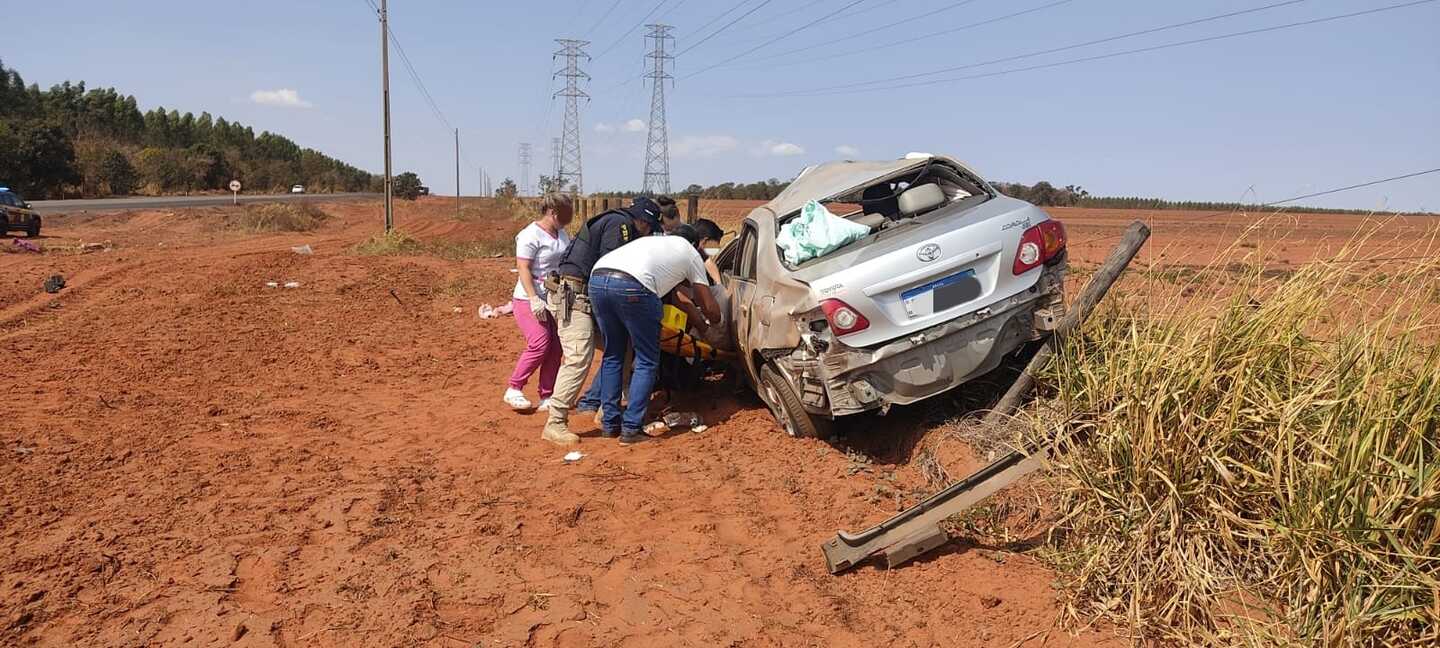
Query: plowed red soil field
(189,457)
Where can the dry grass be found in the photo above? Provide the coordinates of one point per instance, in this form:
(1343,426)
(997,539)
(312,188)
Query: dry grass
(1263,468)
(280,217)
(398,243)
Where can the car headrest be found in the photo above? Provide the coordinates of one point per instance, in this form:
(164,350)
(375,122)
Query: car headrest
(917,200)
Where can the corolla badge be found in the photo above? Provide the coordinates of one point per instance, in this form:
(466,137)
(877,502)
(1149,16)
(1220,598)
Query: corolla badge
(928,252)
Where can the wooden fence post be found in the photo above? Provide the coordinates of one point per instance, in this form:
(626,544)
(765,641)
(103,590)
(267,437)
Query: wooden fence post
(692,208)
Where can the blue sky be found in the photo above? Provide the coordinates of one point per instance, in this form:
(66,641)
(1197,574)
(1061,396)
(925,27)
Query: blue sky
(1256,118)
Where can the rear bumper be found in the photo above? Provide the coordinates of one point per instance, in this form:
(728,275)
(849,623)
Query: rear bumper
(846,380)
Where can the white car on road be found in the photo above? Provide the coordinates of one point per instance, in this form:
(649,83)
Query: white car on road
(297,189)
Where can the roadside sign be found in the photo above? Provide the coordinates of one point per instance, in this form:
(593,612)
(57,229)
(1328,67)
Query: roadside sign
(235,191)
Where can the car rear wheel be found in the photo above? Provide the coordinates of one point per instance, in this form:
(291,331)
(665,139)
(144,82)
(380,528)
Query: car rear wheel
(33,229)
(779,395)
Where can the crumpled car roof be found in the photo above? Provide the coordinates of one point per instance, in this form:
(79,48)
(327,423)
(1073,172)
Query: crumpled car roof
(825,180)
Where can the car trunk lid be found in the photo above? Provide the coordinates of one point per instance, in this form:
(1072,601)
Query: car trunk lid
(918,274)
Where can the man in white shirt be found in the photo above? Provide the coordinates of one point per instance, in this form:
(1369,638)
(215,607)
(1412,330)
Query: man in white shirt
(625,290)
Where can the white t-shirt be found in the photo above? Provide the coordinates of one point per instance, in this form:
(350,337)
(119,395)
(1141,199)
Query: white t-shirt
(543,251)
(658,262)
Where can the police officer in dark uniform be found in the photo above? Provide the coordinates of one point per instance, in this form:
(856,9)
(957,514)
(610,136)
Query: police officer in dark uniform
(568,301)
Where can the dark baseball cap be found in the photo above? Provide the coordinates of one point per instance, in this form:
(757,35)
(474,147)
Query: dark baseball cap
(647,210)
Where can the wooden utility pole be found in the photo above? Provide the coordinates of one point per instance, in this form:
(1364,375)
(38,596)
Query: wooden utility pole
(385,93)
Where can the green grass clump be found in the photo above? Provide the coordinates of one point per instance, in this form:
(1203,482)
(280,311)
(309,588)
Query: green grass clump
(281,217)
(1253,475)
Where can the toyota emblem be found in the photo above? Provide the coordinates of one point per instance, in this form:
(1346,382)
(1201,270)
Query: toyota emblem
(928,252)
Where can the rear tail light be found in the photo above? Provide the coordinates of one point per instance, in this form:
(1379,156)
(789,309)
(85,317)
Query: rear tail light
(1038,245)
(842,317)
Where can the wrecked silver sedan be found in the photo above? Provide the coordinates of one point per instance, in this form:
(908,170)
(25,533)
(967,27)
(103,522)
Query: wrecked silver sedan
(945,279)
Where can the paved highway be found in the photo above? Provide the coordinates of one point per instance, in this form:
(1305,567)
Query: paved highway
(163,202)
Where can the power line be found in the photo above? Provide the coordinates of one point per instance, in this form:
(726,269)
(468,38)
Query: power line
(414,75)
(630,31)
(1098,41)
(716,19)
(937,34)
(641,75)
(847,38)
(775,39)
(725,26)
(1276,203)
(603,17)
(672,8)
(851,89)
(1327,192)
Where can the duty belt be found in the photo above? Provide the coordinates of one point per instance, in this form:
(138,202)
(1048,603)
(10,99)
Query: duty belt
(572,290)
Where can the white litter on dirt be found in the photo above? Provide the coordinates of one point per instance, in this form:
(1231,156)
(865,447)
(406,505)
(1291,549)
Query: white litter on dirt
(573,456)
(292,284)
(302,249)
(272,284)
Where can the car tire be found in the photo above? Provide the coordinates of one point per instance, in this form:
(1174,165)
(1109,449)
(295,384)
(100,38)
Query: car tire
(779,395)
(33,229)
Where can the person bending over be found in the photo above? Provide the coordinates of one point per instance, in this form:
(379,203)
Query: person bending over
(625,289)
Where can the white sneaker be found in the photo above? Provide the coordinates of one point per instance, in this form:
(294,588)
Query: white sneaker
(544,405)
(516,400)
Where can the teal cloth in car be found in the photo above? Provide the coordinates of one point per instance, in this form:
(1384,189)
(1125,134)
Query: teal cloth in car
(815,233)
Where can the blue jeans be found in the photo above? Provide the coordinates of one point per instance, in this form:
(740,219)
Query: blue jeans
(590,400)
(628,314)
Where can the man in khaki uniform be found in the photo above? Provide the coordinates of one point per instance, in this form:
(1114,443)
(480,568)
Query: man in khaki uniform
(568,300)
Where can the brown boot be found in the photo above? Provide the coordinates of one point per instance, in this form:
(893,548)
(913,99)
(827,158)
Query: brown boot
(558,435)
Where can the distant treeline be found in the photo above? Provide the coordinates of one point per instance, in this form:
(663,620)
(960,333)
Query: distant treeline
(71,142)
(1041,193)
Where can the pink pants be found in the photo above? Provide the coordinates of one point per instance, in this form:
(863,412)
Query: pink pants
(542,349)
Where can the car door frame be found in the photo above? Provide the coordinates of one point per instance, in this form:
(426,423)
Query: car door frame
(740,278)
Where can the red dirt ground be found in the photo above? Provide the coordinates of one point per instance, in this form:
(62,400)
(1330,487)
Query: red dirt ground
(192,458)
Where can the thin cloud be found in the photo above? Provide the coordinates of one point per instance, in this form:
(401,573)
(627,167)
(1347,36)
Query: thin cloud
(703,146)
(283,97)
(635,126)
(602,127)
(779,149)
(848,151)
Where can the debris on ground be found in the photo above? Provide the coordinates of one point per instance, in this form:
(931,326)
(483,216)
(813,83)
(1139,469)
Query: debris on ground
(292,284)
(674,421)
(491,312)
(302,249)
(87,248)
(272,284)
(25,246)
(573,456)
(54,284)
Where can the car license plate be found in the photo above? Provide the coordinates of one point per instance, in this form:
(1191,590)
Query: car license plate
(945,293)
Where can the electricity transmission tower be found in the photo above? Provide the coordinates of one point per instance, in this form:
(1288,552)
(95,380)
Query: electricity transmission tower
(554,164)
(657,145)
(525,169)
(569,176)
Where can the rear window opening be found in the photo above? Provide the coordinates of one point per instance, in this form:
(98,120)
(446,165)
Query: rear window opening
(897,200)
